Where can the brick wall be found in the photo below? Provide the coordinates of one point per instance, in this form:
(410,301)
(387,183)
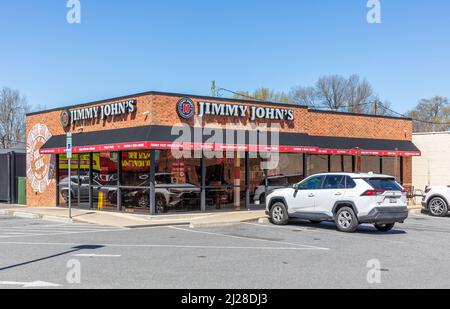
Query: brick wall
(342,125)
(159,109)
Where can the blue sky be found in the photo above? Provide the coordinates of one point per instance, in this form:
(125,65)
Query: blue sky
(123,47)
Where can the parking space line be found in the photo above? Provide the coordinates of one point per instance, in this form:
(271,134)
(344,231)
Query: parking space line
(62,233)
(98,255)
(18,236)
(47,229)
(166,246)
(17,233)
(336,233)
(250,239)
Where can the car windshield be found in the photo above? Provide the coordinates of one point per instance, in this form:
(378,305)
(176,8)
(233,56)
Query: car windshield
(384,184)
(163,179)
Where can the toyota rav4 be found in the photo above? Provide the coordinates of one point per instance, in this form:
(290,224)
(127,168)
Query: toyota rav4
(345,198)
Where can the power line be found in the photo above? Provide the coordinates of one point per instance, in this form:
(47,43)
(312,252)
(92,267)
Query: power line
(325,106)
(414,119)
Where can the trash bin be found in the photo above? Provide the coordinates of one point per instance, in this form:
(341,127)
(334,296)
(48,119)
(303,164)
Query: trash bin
(22,191)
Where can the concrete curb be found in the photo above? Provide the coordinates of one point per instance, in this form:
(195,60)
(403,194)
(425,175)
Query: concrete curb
(194,225)
(56,219)
(263,221)
(197,225)
(25,215)
(193,221)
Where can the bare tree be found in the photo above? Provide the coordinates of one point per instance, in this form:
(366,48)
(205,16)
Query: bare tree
(13,108)
(263,94)
(359,95)
(431,115)
(332,90)
(306,96)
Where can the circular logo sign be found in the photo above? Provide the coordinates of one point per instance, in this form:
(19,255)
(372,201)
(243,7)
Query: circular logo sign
(38,165)
(186,108)
(65,118)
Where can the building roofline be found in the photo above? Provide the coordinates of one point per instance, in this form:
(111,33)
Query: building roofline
(432,133)
(141,94)
(357,114)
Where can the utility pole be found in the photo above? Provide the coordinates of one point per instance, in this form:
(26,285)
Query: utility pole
(213,88)
(375,107)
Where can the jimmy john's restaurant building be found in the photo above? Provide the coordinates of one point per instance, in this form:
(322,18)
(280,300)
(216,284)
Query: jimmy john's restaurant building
(165,153)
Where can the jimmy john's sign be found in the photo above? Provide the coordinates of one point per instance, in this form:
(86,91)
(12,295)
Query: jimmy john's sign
(70,117)
(186,110)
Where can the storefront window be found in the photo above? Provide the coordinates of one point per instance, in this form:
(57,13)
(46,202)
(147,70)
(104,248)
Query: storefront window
(370,164)
(317,164)
(391,167)
(225,182)
(105,179)
(178,183)
(135,182)
(79,180)
(336,164)
(348,164)
(288,172)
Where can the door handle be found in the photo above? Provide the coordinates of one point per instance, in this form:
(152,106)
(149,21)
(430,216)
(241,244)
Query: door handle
(338,194)
(312,195)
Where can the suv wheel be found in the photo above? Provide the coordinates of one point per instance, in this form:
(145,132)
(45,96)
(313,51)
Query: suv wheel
(438,207)
(279,214)
(143,201)
(346,220)
(384,227)
(160,204)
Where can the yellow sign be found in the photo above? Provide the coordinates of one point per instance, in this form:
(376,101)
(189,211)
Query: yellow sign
(84,162)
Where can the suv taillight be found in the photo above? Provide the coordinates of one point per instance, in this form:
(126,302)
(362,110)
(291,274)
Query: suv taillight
(373,193)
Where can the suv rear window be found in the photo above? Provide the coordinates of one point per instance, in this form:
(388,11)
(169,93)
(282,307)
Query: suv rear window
(385,184)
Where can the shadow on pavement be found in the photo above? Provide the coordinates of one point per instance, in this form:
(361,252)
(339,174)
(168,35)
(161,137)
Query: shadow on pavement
(331,226)
(74,249)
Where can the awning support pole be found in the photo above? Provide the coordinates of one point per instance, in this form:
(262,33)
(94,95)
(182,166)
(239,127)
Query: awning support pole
(203,184)
(247,180)
(119,181)
(152,182)
(91,178)
(305,166)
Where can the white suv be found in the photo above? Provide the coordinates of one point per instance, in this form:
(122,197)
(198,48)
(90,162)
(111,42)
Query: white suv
(437,201)
(345,198)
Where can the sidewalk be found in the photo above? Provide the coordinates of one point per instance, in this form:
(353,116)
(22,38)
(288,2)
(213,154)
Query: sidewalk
(194,220)
(124,220)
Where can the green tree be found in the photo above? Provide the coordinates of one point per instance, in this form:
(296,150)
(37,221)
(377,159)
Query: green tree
(263,94)
(431,115)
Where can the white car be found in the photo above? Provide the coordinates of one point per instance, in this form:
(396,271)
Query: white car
(437,201)
(345,198)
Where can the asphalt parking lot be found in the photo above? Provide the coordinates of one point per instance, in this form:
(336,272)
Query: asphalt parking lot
(36,253)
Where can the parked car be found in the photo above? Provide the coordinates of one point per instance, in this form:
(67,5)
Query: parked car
(437,201)
(84,189)
(345,198)
(168,193)
(274,182)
